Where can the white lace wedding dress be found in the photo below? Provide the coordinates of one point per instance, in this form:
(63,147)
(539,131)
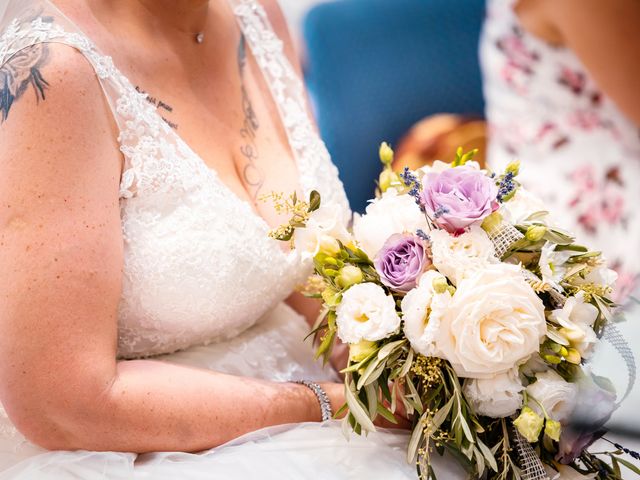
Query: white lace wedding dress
(203,285)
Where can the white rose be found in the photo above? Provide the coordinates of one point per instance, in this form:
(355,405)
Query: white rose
(495,397)
(389,214)
(577,318)
(461,256)
(521,206)
(422,308)
(494,322)
(366,312)
(324,226)
(555,394)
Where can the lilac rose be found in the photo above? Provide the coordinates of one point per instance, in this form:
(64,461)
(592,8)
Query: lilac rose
(401,261)
(458,197)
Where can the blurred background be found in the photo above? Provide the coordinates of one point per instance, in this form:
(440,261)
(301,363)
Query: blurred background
(410,72)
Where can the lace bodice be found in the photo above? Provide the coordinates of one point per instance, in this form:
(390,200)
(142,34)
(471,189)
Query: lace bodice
(579,151)
(198,264)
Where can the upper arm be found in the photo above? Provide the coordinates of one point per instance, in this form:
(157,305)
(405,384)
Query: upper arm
(603,34)
(60,235)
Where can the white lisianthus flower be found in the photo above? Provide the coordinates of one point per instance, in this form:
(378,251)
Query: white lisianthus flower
(494,321)
(366,312)
(422,308)
(552,264)
(555,394)
(521,206)
(576,318)
(600,276)
(461,256)
(323,228)
(496,397)
(392,213)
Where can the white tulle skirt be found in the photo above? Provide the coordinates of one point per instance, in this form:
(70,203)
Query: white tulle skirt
(274,350)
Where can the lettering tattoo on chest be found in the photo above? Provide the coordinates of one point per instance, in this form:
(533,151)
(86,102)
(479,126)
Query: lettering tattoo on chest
(251,173)
(161,106)
(18,73)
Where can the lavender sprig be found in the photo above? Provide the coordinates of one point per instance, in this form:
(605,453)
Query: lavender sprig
(410,180)
(506,188)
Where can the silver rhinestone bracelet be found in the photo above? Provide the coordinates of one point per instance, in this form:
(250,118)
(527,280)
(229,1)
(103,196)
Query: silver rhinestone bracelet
(321,395)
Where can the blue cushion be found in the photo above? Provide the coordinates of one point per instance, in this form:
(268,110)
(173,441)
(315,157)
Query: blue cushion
(375,67)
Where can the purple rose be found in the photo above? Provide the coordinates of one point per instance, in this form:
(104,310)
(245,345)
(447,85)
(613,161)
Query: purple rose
(458,197)
(401,261)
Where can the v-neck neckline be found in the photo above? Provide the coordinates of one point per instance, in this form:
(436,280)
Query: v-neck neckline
(211,172)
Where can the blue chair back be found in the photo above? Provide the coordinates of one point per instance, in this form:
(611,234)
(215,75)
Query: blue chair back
(375,67)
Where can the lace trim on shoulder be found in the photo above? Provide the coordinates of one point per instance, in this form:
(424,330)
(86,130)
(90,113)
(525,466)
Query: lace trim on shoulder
(313,159)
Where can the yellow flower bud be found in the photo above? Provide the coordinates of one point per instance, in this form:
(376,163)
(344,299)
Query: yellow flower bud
(329,245)
(552,359)
(361,350)
(529,424)
(331,297)
(572,334)
(451,289)
(535,233)
(552,429)
(513,167)
(563,351)
(492,222)
(573,356)
(386,153)
(349,275)
(388,178)
(440,285)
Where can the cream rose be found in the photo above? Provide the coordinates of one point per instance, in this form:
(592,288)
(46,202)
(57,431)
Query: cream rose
(422,308)
(496,397)
(555,394)
(323,228)
(460,256)
(366,312)
(392,213)
(493,322)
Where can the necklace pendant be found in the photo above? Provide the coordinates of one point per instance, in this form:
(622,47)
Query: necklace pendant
(200,37)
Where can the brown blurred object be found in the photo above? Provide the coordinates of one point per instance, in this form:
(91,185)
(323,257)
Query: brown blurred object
(438,137)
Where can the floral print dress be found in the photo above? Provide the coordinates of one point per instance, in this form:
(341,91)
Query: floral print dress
(578,151)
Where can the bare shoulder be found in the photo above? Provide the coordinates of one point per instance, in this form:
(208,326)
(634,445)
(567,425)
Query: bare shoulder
(49,87)
(281,28)
(56,127)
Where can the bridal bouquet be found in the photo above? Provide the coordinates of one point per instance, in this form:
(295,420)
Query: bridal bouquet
(465,307)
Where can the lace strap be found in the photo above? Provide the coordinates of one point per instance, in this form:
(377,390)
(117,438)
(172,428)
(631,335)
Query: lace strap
(284,83)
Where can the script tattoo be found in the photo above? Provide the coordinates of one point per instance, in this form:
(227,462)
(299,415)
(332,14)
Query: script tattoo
(161,106)
(253,176)
(18,73)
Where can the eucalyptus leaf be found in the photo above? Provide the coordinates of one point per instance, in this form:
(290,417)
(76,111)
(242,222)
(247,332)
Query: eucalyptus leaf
(465,427)
(406,366)
(629,465)
(357,410)
(386,413)
(372,400)
(441,415)
(488,455)
(479,461)
(385,351)
(416,439)
(314,201)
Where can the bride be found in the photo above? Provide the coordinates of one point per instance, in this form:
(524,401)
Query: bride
(144,311)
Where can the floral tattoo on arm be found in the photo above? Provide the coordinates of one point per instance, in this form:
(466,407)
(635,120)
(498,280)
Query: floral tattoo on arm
(22,72)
